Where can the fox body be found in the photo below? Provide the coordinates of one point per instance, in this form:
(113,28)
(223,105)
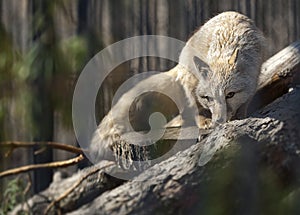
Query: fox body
(107,142)
(227,63)
(218,68)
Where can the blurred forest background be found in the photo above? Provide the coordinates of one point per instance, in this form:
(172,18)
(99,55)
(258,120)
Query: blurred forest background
(44,45)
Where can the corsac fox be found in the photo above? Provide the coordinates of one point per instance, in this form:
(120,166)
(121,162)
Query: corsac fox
(218,68)
(228,63)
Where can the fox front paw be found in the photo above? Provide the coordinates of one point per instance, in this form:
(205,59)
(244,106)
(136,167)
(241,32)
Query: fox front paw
(203,122)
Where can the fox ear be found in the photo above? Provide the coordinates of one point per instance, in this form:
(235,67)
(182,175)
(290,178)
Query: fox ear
(201,67)
(234,57)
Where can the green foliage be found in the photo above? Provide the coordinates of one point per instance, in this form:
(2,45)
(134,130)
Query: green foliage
(12,195)
(9,58)
(50,66)
(75,50)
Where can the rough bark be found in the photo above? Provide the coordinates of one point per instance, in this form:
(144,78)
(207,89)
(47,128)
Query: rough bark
(270,140)
(95,182)
(277,75)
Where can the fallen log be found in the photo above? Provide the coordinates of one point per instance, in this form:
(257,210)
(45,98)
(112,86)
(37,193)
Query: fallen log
(278,74)
(269,138)
(236,157)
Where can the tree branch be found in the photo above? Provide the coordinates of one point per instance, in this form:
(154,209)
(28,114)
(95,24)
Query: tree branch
(56,164)
(62,146)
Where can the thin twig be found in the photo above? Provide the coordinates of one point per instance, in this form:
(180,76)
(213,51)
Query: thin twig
(75,185)
(28,186)
(44,165)
(62,146)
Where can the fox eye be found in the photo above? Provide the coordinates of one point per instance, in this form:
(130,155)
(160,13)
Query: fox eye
(230,95)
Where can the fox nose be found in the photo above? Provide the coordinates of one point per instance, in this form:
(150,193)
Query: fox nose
(219,115)
(216,122)
(221,120)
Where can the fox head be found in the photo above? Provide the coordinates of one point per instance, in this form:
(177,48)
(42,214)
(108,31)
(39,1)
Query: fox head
(225,55)
(227,85)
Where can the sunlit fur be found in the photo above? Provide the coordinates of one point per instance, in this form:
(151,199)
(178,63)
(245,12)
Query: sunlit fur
(107,142)
(228,59)
(221,69)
